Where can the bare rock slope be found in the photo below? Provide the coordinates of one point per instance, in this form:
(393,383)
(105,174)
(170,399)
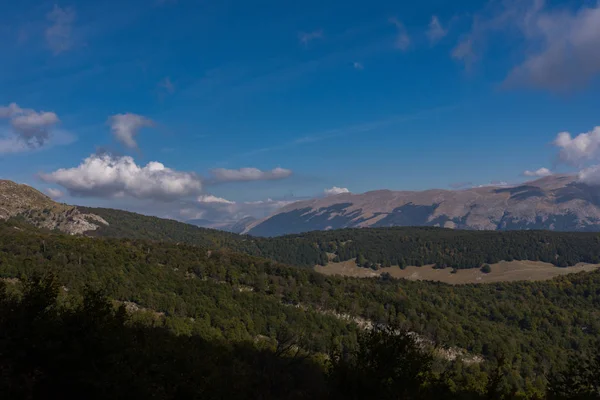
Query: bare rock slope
(40,210)
(556,202)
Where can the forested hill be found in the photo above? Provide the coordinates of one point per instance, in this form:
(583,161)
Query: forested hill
(126,224)
(443,247)
(530,327)
(370,246)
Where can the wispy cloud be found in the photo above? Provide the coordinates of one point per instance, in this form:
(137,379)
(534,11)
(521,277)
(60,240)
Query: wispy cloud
(435,30)
(346,131)
(125,127)
(221,175)
(559,46)
(357,65)
(306,37)
(59,35)
(403,39)
(567,55)
(167,85)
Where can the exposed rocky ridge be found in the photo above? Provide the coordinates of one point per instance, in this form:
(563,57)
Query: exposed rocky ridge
(556,202)
(41,211)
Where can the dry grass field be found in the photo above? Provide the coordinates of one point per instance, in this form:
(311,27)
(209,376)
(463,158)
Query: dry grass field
(501,272)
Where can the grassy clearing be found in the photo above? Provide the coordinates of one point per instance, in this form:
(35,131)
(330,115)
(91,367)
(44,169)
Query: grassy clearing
(501,272)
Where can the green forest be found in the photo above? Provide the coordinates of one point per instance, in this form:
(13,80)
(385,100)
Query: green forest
(521,334)
(373,247)
(55,347)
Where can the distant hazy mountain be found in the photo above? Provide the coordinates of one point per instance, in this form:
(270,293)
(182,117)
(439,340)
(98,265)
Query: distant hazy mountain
(556,202)
(230,226)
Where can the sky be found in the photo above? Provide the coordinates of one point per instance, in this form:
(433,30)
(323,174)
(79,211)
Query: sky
(203,109)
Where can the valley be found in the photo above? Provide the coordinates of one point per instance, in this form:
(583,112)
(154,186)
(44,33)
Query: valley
(306,294)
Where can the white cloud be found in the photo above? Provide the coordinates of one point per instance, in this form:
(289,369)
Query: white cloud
(306,37)
(59,35)
(210,199)
(539,172)
(249,174)
(559,46)
(358,66)
(403,39)
(55,193)
(590,175)
(126,126)
(30,129)
(566,47)
(436,31)
(579,149)
(335,190)
(107,176)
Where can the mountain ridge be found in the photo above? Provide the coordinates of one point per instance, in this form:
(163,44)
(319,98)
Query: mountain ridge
(557,202)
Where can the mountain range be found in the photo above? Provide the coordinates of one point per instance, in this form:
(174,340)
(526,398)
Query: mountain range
(557,202)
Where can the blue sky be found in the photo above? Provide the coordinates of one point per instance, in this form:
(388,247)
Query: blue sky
(304,95)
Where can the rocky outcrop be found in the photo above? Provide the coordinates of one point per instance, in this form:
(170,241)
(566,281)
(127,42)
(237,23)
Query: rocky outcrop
(23,201)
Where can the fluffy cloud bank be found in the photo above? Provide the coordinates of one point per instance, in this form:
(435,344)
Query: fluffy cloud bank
(590,175)
(539,172)
(125,127)
(335,190)
(249,174)
(579,149)
(108,176)
(30,128)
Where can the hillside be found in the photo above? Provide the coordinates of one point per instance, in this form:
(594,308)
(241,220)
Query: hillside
(557,202)
(373,248)
(38,209)
(240,298)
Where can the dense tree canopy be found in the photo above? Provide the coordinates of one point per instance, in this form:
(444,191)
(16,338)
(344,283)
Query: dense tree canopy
(370,247)
(219,295)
